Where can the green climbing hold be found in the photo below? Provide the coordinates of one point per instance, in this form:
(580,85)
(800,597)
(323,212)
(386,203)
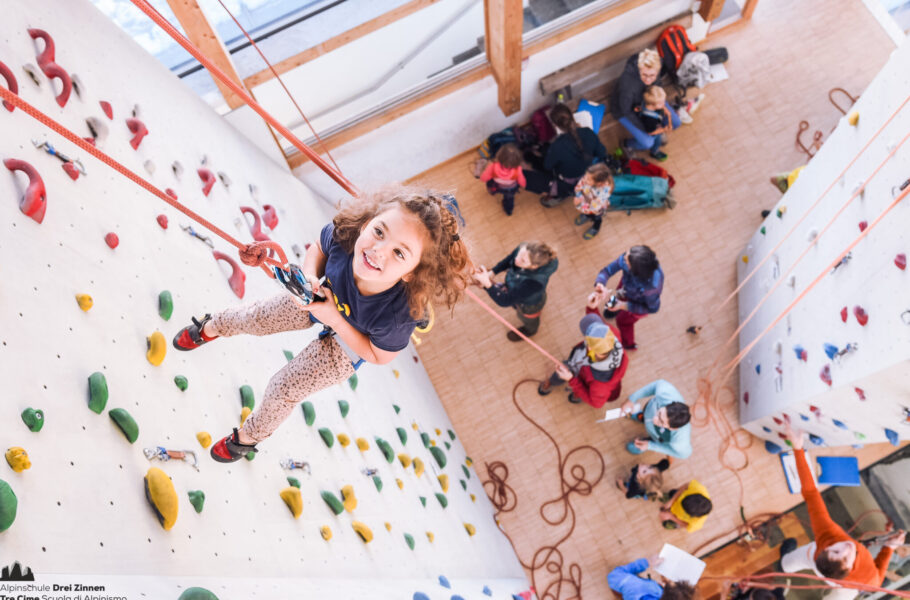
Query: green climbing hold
(326,434)
(352,381)
(344,407)
(288,355)
(334,503)
(165,305)
(377,482)
(423,500)
(397,408)
(8,505)
(386,449)
(467,473)
(197,593)
(448,445)
(181,382)
(464,484)
(309,413)
(197,499)
(409,540)
(425,438)
(443,501)
(125,422)
(439,455)
(294,482)
(451,434)
(97,392)
(250,455)
(402,435)
(247,400)
(33,419)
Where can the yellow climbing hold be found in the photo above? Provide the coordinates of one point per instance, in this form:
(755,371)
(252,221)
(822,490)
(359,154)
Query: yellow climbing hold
(395,373)
(159,489)
(405,460)
(430,536)
(473,498)
(291,497)
(85,301)
(344,440)
(348,498)
(204,438)
(432,442)
(745,259)
(468,461)
(853,117)
(470,529)
(157,348)
(388,526)
(365,533)
(444,482)
(18,459)
(362,444)
(325,532)
(414,425)
(400,484)
(244,414)
(438,431)
(418,467)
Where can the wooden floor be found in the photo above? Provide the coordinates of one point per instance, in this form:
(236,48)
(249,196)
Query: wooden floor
(782,64)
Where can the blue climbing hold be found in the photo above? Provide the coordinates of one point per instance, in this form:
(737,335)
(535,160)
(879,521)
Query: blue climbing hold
(487,591)
(420,596)
(831,351)
(758,369)
(766,429)
(892,437)
(839,424)
(803,417)
(801,353)
(816,440)
(456,597)
(773,448)
(444,582)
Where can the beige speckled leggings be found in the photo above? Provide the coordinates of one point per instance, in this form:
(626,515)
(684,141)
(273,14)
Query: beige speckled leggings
(321,364)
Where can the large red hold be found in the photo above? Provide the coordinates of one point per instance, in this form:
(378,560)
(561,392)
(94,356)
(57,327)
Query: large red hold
(269,217)
(34,201)
(11,84)
(108,109)
(208,180)
(50,68)
(162,220)
(237,280)
(139,131)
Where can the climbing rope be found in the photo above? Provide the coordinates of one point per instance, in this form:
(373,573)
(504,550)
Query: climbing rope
(760,581)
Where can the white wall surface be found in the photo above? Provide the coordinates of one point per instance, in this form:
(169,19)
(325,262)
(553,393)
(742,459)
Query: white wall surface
(880,368)
(82,513)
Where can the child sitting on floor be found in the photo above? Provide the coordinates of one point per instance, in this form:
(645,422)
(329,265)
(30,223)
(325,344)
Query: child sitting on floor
(687,507)
(655,116)
(645,481)
(592,197)
(503,175)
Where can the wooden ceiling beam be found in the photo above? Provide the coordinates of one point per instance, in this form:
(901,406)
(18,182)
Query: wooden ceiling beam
(504,20)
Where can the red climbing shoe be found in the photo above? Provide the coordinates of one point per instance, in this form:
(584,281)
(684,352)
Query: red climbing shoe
(230,449)
(191,336)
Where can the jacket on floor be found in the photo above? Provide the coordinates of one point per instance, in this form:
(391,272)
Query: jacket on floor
(523,287)
(628,93)
(643,297)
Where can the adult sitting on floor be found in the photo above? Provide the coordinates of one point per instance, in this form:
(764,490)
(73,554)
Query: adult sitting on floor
(833,554)
(596,365)
(626,581)
(641,71)
(665,417)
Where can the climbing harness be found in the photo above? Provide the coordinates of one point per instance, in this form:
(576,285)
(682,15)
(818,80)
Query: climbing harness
(202,238)
(46,146)
(290,464)
(163,454)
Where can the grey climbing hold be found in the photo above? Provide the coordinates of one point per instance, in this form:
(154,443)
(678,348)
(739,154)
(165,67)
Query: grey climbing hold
(197,499)
(402,435)
(125,422)
(439,455)
(344,407)
(247,400)
(181,382)
(97,392)
(165,305)
(309,413)
(33,419)
(294,482)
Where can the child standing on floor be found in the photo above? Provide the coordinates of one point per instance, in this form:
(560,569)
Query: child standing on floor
(592,197)
(504,175)
(385,258)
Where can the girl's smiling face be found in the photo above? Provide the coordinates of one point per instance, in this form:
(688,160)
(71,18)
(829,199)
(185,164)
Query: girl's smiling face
(388,250)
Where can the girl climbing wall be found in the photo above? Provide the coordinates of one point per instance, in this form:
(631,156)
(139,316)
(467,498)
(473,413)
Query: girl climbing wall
(385,258)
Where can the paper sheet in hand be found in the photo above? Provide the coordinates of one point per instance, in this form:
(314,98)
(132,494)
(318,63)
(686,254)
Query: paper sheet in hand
(613,413)
(788,462)
(679,565)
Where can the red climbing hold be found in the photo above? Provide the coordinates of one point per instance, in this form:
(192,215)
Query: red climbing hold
(843,314)
(862,226)
(162,220)
(777,421)
(746,397)
(269,217)
(108,109)
(89,140)
(11,84)
(900,261)
(826,374)
(112,240)
(50,68)
(34,201)
(171,193)
(237,280)
(860,393)
(71,170)
(861,316)
(208,180)
(139,131)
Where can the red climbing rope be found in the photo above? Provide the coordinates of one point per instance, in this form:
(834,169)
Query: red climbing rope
(759,581)
(155,16)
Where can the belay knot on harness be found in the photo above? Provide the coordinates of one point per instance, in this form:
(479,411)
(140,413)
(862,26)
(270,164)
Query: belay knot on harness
(254,254)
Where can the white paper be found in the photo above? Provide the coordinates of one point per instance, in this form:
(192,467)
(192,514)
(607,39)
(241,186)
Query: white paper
(678,565)
(718,73)
(788,462)
(610,415)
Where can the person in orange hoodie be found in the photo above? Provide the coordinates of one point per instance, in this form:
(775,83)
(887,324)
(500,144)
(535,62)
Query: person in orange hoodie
(503,175)
(833,554)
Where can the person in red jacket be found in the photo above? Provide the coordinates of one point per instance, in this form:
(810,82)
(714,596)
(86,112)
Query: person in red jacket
(833,554)
(595,366)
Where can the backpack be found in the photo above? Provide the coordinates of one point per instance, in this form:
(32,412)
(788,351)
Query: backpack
(496,141)
(542,125)
(672,45)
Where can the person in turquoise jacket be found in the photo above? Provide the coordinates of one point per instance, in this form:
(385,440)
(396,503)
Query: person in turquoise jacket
(665,417)
(627,582)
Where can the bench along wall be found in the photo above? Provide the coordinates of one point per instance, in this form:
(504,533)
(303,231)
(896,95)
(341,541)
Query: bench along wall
(861,392)
(82,513)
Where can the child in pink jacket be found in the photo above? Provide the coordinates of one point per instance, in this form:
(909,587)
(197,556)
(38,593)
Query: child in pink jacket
(504,175)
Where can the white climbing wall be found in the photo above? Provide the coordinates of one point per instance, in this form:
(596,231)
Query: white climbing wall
(868,396)
(82,513)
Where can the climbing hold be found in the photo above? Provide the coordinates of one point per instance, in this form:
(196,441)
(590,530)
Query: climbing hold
(464,484)
(444,582)
(746,397)
(162,221)
(291,497)
(425,438)
(773,448)
(157,348)
(386,449)
(334,503)
(418,466)
(344,440)
(70,169)
(326,532)
(197,499)
(443,501)
(125,422)
(860,393)
(181,382)
(11,84)
(269,216)
(250,455)
(859,436)
(244,414)
(745,259)
(467,473)
(780,212)
(237,280)
(247,400)
(377,481)
(197,593)
(8,505)
(84,301)
(97,392)
(438,431)
(862,226)
(758,369)
(294,481)
(326,434)
(470,529)
(208,180)
(397,408)
(451,434)
(843,314)
(349,500)
(444,482)
(50,68)
(801,353)
(439,455)
(400,483)
(33,419)
(160,492)
(487,591)
(468,461)
(402,435)
(288,355)
(423,500)
(815,411)
(112,240)
(108,109)
(862,317)
(414,426)
(839,424)
(362,444)
(447,445)
(826,374)
(803,417)
(420,596)
(830,350)
(405,460)
(409,540)
(816,440)
(165,305)
(365,533)
(352,381)
(889,433)
(473,497)
(388,526)
(396,373)
(900,261)
(853,117)
(34,202)
(309,413)
(204,438)
(18,459)
(766,429)
(139,131)
(430,536)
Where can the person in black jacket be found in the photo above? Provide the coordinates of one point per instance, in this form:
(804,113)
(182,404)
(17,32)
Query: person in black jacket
(641,70)
(528,269)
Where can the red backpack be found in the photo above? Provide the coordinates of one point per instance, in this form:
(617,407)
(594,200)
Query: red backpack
(672,44)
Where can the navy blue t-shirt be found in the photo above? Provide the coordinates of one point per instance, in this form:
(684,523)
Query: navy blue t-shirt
(385,317)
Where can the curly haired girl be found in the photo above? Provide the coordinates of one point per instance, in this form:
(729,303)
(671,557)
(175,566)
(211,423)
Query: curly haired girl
(385,259)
